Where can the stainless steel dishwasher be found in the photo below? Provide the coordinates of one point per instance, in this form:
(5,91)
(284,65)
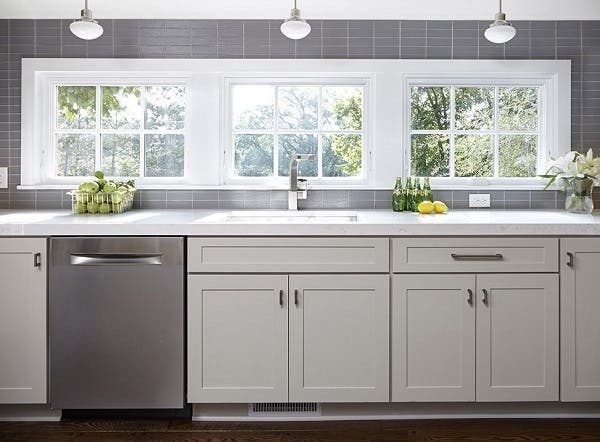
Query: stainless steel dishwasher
(116,320)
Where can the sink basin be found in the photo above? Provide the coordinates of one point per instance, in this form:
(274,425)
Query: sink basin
(286,217)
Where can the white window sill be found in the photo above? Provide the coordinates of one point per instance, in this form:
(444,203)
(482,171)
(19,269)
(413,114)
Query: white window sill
(481,189)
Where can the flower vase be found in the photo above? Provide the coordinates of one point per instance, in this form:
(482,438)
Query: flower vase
(579,195)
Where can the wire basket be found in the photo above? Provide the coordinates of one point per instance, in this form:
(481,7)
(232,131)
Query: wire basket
(101,203)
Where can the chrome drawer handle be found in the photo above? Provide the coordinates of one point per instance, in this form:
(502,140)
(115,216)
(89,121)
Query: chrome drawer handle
(495,257)
(92,259)
(470,298)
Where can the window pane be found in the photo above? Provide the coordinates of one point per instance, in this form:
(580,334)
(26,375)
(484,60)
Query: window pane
(518,108)
(297,107)
(75,154)
(430,108)
(474,108)
(121,107)
(518,155)
(165,107)
(292,144)
(342,107)
(430,155)
(76,107)
(252,107)
(342,155)
(164,155)
(253,155)
(121,155)
(473,156)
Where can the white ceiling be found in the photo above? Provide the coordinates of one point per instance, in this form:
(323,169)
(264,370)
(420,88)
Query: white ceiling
(326,9)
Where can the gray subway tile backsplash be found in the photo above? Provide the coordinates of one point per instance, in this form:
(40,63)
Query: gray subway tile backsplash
(577,41)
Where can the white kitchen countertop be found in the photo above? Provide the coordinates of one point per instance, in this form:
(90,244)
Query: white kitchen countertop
(277,223)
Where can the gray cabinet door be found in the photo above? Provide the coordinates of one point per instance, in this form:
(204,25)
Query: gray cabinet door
(433,338)
(517,337)
(580,319)
(22,321)
(339,338)
(237,338)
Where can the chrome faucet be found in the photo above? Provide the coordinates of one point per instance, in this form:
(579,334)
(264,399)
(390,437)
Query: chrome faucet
(298,188)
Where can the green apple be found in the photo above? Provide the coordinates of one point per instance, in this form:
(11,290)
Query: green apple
(80,208)
(104,208)
(92,207)
(109,187)
(116,197)
(122,188)
(99,174)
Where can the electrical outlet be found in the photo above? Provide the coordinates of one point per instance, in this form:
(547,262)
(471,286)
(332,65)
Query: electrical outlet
(3,177)
(479,200)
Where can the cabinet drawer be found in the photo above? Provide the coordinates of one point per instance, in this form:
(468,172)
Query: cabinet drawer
(288,255)
(471,255)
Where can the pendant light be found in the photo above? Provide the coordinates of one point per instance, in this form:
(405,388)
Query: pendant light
(295,27)
(86,27)
(500,31)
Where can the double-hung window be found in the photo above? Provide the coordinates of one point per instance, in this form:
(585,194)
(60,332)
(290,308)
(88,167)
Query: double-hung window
(124,130)
(270,121)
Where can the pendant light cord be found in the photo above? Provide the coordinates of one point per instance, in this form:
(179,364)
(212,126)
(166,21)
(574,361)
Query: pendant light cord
(499,0)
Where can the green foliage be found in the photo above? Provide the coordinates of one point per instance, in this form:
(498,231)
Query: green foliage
(121,110)
(474,111)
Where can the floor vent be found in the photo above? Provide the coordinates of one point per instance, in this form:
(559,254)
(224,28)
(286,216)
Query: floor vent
(273,409)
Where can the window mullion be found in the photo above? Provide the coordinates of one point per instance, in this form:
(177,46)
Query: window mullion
(276,133)
(98,136)
(452,129)
(142,134)
(320,133)
(496,130)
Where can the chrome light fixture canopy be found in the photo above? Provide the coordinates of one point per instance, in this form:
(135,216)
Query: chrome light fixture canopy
(86,27)
(295,27)
(500,31)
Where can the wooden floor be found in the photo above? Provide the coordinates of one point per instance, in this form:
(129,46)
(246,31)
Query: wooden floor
(398,431)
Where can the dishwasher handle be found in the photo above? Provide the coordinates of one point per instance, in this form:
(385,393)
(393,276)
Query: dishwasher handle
(93,259)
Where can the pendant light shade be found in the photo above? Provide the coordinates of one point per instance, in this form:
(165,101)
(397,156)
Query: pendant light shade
(86,27)
(500,31)
(295,27)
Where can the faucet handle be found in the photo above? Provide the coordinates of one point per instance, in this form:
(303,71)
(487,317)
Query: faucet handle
(302,188)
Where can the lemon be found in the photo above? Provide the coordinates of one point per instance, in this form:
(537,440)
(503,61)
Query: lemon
(426,207)
(440,207)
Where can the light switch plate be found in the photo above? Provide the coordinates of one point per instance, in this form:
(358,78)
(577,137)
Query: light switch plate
(479,200)
(3,177)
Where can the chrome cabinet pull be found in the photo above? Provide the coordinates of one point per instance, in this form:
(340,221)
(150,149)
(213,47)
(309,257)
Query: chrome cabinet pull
(494,257)
(91,259)
(281,298)
(296,301)
(37,260)
(571,261)
(485,300)
(470,298)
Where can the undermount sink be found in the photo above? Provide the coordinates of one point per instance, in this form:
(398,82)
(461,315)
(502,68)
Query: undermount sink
(287,217)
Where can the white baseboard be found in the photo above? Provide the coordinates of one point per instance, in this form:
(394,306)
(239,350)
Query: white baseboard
(28,413)
(410,411)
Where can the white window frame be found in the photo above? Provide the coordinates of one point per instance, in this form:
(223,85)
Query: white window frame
(386,107)
(319,81)
(98,131)
(495,132)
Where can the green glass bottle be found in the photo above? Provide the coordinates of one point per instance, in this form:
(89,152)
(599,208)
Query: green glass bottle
(427,193)
(398,196)
(418,194)
(409,195)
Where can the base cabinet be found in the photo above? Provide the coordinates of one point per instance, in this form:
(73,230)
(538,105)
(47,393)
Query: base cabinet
(23,321)
(481,338)
(237,338)
(243,329)
(580,324)
(339,338)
